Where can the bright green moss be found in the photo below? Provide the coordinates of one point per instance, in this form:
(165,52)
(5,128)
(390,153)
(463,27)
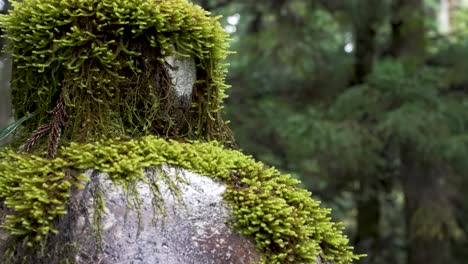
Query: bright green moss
(106,58)
(100,66)
(288,225)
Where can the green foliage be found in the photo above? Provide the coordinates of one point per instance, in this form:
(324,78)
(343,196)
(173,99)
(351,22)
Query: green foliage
(285,54)
(106,59)
(308,138)
(287,224)
(406,109)
(342,148)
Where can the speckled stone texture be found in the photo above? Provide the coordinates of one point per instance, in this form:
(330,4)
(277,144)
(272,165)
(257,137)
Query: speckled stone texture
(183,74)
(196,231)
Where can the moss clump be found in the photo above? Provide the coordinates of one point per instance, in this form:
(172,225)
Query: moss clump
(287,224)
(106,60)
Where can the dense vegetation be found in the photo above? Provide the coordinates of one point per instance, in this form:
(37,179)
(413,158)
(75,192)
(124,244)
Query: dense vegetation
(366,102)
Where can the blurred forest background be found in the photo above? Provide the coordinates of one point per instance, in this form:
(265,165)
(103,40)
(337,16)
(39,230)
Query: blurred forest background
(366,101)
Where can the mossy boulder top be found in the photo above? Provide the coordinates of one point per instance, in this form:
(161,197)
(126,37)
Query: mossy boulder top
(109,62)
(287,225)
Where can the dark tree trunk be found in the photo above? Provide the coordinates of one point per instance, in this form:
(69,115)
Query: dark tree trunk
(408,32)
(423,183)
(368,220)
(256,23)
(366,18)
(427,205)
(364,52)
(367,238)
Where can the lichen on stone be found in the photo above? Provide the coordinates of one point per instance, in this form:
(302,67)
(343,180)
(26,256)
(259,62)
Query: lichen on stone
(287,224)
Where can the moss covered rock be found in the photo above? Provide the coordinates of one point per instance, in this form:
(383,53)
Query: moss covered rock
(96,86)
(287,225)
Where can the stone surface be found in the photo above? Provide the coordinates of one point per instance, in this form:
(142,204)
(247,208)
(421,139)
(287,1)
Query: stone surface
(193,232)
(183,74)
(5,102)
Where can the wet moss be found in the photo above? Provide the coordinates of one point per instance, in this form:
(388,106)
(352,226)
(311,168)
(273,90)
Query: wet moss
(92,71)
(106,60)
(286,223)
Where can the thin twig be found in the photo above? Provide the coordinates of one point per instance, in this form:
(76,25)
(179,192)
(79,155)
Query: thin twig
(60,118)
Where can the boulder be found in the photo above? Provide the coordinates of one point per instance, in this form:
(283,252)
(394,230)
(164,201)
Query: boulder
(191,227)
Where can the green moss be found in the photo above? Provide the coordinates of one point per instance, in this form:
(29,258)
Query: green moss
(94,69)
(105,58)
(286,223)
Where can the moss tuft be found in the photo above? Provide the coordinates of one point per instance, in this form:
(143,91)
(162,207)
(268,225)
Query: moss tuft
(286,223)
(106,59)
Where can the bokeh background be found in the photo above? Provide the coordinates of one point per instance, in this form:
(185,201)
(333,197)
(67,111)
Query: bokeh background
(365,101)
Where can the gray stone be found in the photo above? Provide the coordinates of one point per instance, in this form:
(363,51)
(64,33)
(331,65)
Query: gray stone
(195,231)
(183,74)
